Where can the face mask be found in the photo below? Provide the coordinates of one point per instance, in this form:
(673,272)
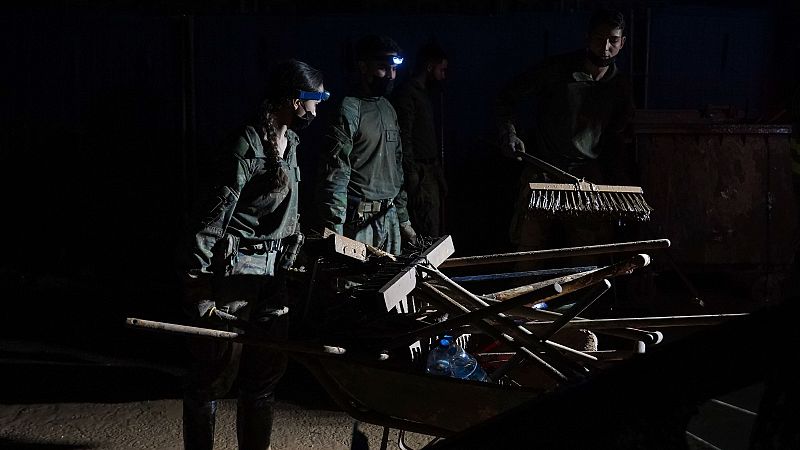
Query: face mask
(301,122)
(381,87)
(598,61)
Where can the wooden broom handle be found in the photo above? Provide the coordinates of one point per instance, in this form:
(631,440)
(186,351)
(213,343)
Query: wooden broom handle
(522,156)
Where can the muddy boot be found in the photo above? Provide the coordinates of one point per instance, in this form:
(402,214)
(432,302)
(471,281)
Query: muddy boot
(198,424)
(254,424)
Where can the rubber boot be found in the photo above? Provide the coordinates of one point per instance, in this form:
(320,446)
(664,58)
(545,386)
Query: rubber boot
(198,424)
(254,424)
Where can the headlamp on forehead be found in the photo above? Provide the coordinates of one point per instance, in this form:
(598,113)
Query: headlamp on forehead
(316,95)
(394,60)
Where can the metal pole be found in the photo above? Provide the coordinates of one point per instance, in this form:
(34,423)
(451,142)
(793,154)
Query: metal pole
(645,322)
(541,315)
(534,255)
(541,294)
(579,280)
(498,334)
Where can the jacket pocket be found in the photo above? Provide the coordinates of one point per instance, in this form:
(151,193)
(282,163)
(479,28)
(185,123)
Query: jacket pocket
(256,264)
(240,261)
(218,211)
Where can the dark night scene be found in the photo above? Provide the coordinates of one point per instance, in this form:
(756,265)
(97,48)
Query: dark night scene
(372,225)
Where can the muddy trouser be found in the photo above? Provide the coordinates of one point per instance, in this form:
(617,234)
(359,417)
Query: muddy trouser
(374,223)
(425,199)
(217,364)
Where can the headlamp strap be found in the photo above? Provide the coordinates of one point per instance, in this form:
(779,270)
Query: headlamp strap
(307,95)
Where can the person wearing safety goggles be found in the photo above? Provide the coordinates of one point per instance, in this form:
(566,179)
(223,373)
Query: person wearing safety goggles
(361,175)
(244,236)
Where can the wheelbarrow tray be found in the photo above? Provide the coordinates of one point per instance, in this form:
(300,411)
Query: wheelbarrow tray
(391,392)
(377,393)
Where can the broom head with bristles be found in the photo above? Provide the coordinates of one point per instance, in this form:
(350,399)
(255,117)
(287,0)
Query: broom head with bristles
(588,200)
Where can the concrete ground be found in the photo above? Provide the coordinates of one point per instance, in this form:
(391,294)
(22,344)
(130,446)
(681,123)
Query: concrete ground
(59,397)
(156,425)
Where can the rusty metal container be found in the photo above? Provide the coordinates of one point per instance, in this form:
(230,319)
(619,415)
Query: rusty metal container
(722,192)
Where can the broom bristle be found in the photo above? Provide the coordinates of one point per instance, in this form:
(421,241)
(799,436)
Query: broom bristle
(589,200)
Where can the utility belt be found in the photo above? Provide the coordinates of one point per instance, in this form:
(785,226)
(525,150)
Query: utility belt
(370,206)
(261,247)
(249,257)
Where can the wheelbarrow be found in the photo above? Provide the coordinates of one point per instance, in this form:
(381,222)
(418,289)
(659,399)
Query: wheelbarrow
(370,377)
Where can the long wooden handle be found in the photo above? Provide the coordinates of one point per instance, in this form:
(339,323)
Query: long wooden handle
(221,335)
(544,165)
(499,258)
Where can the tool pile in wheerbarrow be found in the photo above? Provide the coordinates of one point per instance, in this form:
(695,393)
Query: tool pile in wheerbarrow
(370,318)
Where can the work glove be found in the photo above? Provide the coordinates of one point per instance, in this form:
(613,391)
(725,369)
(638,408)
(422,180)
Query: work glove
(510,143)
(408,234)
(205,308)
(197,294)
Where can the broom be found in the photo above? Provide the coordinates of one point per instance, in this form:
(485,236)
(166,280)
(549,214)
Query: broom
(582,198)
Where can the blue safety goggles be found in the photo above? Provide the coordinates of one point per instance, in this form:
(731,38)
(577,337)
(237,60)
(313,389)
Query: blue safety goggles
(319,96)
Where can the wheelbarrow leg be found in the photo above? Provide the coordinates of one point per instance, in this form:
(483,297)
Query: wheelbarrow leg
(401,441)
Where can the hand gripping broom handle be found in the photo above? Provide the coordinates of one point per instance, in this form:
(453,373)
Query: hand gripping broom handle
(544,165)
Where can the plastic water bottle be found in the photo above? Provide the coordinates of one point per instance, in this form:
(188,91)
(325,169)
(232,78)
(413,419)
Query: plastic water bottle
(449,359)
(465,366)
(439,358)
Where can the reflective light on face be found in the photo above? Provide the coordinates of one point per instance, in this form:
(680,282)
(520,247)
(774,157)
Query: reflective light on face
(439,71)
(603,39)
(311,106)
(384,70)
(606,42)
(385,65)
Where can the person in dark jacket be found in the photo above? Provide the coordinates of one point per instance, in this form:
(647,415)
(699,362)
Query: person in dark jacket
(422,164)
(232,267)
(582,105)
(361,174)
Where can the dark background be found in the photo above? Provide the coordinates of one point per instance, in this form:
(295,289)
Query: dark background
(111,111)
